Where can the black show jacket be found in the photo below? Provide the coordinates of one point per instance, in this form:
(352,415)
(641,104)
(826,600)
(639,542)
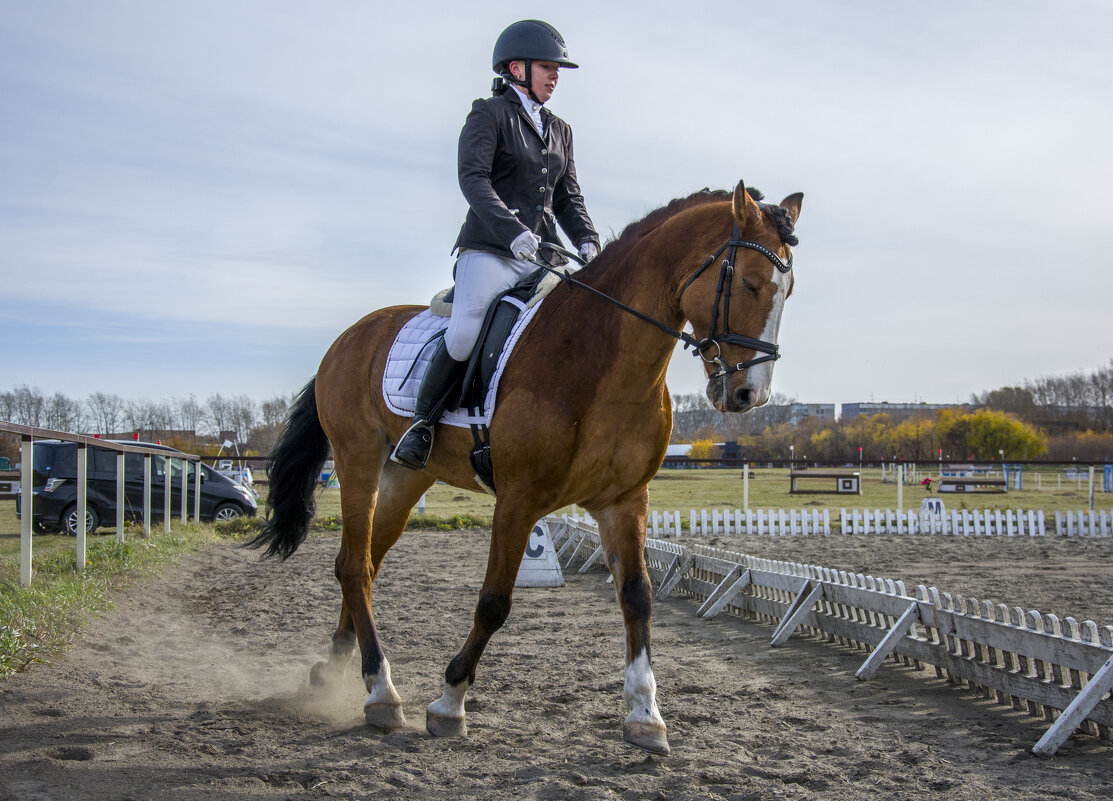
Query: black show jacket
(514,179)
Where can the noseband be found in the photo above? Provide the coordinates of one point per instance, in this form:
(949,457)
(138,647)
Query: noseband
(722,299)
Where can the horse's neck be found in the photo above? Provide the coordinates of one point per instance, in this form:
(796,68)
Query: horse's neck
(648,278)
(652,276)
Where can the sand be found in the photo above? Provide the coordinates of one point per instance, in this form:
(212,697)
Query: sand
(194,687)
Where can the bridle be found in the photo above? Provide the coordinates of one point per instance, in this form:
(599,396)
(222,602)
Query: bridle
(714,340)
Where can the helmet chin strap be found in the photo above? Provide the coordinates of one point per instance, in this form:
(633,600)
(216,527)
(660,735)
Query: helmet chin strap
(527,84)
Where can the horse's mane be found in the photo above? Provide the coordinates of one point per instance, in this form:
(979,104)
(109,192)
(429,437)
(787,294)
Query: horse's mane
(638,229)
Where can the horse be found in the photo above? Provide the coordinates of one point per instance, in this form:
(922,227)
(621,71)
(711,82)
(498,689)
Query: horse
(583,416)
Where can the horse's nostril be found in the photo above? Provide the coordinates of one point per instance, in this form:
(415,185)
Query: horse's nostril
(742,396)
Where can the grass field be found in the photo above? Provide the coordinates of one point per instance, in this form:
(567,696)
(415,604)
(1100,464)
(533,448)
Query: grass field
(682,490)
(36,622)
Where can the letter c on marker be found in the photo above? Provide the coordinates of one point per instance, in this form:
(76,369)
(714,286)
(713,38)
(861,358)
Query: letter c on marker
(535,551)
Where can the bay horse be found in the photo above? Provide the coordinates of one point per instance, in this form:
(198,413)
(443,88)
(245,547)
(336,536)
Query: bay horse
(582,417)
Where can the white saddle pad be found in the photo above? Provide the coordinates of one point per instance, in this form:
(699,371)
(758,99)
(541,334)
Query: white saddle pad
(413,342)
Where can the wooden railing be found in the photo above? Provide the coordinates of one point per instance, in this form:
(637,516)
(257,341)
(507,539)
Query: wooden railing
(29,434)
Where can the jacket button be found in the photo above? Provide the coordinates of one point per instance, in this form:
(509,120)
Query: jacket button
(540,189)
(544,152)
(544,170)
(539,208)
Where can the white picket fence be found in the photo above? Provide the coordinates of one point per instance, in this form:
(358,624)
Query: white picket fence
(812,522)
(768,522)
(1084,524)
(958,522)
(1059,670)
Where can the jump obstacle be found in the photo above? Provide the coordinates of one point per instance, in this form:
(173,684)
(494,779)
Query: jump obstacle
(1059,670)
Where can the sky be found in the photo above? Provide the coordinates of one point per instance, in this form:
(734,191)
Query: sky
(198,198)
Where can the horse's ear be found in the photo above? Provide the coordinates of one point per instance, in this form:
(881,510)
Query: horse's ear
(746,210)
(792,204)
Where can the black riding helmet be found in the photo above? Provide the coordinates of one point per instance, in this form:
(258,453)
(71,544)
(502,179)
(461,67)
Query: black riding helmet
(528,40)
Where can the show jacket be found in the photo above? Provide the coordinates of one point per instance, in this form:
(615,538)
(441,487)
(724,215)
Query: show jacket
(514,179)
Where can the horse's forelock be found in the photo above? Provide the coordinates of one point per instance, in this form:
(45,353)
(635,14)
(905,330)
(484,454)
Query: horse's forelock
(780,217)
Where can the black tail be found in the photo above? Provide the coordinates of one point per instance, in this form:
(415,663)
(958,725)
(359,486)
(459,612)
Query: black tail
(294,469)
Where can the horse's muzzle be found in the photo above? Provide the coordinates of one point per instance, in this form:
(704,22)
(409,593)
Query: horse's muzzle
(734,396)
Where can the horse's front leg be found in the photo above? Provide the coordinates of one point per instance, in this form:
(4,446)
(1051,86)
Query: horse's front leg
(622,532)
(509,536)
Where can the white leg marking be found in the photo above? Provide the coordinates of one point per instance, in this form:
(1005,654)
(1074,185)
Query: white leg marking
(380,688)
(451,704)
(640,692)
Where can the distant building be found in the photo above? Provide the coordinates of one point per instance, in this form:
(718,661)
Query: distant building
(798,412)
(898,411)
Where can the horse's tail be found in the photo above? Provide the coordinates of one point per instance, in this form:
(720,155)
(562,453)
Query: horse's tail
(294,469)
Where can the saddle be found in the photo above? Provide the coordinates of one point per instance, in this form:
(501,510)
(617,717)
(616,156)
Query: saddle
(502,314)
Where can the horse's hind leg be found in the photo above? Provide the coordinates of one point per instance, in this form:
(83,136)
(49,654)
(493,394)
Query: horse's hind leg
(510,531)
(622,532)
(375,505)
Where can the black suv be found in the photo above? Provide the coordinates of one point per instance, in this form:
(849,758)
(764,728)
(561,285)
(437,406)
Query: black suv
(54,487)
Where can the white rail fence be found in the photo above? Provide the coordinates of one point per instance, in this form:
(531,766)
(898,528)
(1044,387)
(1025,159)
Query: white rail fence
(770,522)
(815,522)
(28,435)
(1084,524)
(1059,670)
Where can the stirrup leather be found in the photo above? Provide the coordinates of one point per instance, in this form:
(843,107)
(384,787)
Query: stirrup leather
(414,446)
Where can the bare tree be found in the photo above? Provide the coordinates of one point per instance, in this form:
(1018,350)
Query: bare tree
(189,414)
(64,414)
(28,406)
(7,406)
(244,415)
(218,413)
(147,415)
(107,412)
(273,412)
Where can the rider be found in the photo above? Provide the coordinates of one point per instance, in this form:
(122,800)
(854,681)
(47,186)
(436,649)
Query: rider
(517,173)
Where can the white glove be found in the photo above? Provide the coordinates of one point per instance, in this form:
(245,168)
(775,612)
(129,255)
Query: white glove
(524,246)
(588,251)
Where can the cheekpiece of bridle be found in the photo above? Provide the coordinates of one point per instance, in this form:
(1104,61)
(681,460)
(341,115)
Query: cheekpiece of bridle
(713,340)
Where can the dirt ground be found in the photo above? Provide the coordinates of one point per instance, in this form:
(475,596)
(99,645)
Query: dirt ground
(194,687)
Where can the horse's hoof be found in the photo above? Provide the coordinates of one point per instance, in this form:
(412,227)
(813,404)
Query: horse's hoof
(441,726)
(647,737)
(385,717)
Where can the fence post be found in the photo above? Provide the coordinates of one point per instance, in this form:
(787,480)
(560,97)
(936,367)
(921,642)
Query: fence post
(119,496)
(167,489)
(26,503)
(746,486)
(147,495)
(82,501)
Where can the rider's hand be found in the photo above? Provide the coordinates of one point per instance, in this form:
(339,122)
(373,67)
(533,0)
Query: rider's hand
(524,246)
(588,251)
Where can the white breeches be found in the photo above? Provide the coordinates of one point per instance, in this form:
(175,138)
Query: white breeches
(480,276)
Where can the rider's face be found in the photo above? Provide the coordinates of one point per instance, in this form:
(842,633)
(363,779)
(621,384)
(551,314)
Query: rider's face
(544,76)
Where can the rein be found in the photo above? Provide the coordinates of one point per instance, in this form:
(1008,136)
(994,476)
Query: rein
(722,298)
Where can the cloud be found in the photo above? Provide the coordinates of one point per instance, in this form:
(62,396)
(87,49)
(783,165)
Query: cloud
(273,173)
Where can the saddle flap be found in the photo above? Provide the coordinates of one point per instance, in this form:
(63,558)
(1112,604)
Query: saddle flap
(499,321)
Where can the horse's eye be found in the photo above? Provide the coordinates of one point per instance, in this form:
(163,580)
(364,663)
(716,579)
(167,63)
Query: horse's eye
(746,283)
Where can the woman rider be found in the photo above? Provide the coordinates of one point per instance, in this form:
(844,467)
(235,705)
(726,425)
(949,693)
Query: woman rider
(517,174)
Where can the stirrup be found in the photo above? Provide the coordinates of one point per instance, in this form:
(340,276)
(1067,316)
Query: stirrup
(414,446)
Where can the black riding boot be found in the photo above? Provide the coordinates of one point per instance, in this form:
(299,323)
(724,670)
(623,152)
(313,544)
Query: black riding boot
(436,389)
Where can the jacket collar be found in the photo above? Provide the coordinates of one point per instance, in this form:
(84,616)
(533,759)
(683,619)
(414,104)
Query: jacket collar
(512,96)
